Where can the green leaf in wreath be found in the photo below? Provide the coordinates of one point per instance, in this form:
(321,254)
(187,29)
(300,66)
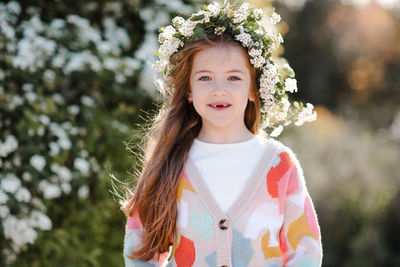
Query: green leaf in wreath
(197,18)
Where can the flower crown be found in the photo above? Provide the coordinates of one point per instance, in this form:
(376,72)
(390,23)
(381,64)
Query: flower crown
(244,24)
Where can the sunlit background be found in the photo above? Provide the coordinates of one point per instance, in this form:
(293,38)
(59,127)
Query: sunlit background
(76,86)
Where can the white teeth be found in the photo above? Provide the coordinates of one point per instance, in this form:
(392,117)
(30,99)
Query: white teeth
(214,106)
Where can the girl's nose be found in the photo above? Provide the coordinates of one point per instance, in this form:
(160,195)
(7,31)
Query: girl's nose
(220,88)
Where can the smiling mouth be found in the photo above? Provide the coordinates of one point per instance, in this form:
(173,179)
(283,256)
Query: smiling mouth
(219,106)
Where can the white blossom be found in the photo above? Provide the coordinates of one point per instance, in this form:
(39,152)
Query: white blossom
(23,195)
(82,165)
(178,20)
(14,7)
(66,188)
(257,13)
(4,212)
(3,197)
(19,231)
(306,115)
(44,119)
(187,28)
(10,183)
(63,172)
(50,191)
(83,192)
(73,110)
(39,220)
(80,60)
(219,30)
(86,32)
(214,8)
(277,131)
(244,38)
(38,162)
(167,33)
(9,145)
(242,13)
(63,140)
(257,61)
(255,52)
(54,149)
(26,176)
(275,18)
(291,85)
(87,101)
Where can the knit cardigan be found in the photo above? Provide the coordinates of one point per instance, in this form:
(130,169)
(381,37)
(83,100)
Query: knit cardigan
(272,223)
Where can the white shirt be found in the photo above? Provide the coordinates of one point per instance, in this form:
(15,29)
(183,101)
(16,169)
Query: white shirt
(226,167)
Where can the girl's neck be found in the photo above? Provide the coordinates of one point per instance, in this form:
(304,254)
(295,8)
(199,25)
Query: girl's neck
(223,137)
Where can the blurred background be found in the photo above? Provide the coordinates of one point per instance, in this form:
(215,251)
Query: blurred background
(76,86)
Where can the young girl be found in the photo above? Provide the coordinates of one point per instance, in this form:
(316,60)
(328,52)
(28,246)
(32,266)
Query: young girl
(215,189)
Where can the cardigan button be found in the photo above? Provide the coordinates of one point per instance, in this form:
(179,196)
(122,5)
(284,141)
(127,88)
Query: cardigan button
(223,224)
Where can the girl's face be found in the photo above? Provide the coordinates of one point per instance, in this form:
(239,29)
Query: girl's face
(220,88)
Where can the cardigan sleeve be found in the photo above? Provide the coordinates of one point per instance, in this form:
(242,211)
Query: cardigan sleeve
(300,238)
(133,241)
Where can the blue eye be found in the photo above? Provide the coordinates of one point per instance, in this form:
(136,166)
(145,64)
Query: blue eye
(234,78)
(204,78)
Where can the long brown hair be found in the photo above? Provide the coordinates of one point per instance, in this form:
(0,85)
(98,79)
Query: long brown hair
(167,146)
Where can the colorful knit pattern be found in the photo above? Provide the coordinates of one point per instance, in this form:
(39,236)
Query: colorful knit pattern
(272,224)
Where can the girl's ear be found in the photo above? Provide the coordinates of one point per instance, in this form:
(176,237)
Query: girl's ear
(251,96)
(189,97)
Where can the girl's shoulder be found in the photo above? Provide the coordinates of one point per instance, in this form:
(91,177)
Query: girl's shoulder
(278,146)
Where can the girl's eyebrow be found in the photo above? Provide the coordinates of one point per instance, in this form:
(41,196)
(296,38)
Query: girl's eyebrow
(229,71)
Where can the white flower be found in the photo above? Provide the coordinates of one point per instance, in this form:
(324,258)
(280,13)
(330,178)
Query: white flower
(170,46)
(14,7)
(167,33)
(3,197)
(178,20)
(4,212)
(27,87)
(257,61)
(242,13)
(23,195)
(19,231)
(10,183)
(219,30)
(277,131)
(82,165)
(83,192)
(66,188)
(9,145)
(244,38)
(38,162)
(58,98)
(27,176)
(275,18)
(255,52)
(214,9)
(54,149)
(50,191)
(44,119)
(187,28)
(73,110)
(306,115)
(39,220)
(63,172)
(291,85)
(257,13)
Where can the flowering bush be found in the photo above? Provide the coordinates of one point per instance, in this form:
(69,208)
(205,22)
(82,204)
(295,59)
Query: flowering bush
(55,80)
